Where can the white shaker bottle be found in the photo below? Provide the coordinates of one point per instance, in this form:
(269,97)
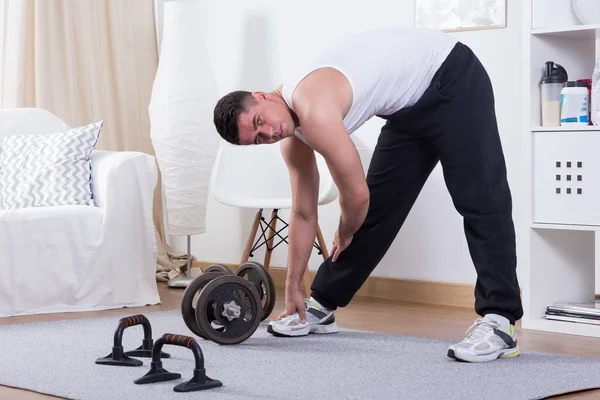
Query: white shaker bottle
(552,83)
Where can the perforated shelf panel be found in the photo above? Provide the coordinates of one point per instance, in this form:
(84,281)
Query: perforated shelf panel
(566,177)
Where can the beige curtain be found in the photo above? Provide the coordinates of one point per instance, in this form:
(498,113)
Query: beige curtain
(86,60)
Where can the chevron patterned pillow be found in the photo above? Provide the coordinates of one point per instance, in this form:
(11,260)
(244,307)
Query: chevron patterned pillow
(42,170)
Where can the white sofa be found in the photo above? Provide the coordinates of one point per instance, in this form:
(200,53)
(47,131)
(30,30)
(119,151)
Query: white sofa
(80,258)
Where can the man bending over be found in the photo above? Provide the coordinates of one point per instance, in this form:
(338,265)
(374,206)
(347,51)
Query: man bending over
(438,105)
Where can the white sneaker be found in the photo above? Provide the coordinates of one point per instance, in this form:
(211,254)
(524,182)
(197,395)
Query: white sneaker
(317,321)
(487,342)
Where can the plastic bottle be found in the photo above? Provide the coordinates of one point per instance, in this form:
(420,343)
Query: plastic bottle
(588,83)
(595,106)
(574,104)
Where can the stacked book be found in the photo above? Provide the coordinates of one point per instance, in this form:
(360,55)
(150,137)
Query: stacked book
(588,313)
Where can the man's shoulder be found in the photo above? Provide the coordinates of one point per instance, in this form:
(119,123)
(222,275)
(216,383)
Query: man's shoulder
(323,90)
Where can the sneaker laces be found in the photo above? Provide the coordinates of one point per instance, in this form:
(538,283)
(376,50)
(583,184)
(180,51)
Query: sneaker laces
(482,328)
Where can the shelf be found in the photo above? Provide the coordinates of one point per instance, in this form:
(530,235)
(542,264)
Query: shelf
(579,128)
(566,227)
(560,251)
(564,327)
(577,31)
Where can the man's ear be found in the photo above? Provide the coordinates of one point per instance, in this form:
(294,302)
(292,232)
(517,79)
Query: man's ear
(260,96)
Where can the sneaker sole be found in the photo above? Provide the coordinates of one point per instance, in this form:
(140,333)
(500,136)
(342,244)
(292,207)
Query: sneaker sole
(317,329)
(505,353)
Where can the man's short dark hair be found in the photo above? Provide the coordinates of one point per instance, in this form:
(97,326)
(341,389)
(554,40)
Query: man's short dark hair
(227,112)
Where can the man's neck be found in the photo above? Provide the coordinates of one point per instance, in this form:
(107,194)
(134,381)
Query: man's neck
(277,95)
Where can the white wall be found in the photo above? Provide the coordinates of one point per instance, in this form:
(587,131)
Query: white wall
(253,43)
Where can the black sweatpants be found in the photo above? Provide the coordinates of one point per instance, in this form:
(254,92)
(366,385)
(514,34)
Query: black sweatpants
(454,123)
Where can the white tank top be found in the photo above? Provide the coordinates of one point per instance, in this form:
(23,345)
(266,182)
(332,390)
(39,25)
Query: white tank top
(388,69)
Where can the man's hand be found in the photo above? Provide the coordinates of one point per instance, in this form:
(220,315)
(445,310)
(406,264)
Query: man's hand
(294,302)
(339,244)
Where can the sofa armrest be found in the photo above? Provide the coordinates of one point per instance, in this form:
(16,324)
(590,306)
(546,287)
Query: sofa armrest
(120,178)
(123,185)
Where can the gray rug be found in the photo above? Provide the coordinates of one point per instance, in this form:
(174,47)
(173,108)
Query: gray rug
(58,358)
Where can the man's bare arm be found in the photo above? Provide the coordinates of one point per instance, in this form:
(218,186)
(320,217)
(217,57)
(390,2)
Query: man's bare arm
(304,179)
(326,134)
(322,99)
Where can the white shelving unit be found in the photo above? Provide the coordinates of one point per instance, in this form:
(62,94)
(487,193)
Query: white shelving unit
(589,128)
(576,31)
(559,252)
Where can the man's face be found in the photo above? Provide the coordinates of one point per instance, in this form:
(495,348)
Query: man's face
(266,121)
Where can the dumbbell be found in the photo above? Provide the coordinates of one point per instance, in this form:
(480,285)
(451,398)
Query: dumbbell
(227,307)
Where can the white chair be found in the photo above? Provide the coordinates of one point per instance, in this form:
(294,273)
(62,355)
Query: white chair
(256,177)
(80,258)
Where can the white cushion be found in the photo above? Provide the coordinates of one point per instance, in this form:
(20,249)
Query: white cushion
(29,120)
(42,170)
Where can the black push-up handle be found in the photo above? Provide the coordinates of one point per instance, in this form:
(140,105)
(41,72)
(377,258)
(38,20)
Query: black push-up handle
(121,358)
(157,373)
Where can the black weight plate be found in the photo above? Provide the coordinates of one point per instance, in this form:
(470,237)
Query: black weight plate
(214,296)
(258,275)
(190,300)
(218,268)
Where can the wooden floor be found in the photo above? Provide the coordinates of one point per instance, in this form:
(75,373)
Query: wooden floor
(447,323)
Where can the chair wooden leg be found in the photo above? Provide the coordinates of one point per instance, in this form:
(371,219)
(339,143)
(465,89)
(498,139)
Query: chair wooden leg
(322,243)
(251,237)
(307,282)
(272,230)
